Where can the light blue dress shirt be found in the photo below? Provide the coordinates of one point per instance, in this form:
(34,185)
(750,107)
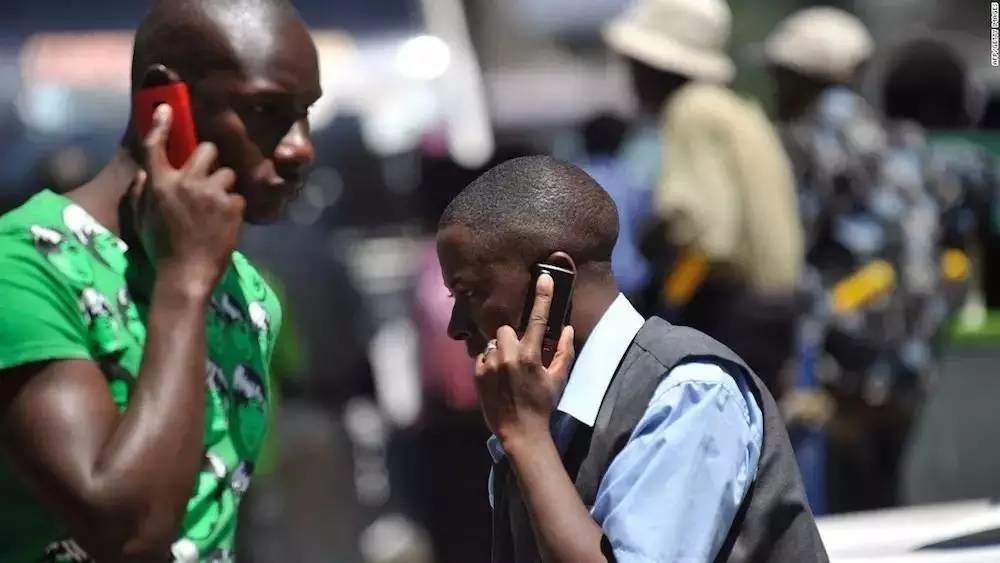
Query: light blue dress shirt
(671,494)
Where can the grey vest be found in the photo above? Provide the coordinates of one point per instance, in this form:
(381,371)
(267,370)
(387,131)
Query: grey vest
(774,522)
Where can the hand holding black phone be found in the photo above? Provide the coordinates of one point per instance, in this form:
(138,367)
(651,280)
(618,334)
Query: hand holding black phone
(562,297)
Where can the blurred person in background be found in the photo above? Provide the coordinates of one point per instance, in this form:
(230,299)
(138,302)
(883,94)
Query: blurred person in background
(603,136)
(439,462)
(656,444)
(816,57)
(135,347)
(304,504)
(872,226)
(11,131)
(929,83)
(727,250)
(445,466)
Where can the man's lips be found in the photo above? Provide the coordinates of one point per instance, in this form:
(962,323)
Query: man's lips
(474,348)
(289,179)
(283,187)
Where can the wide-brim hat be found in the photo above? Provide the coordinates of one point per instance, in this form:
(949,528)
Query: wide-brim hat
(821,42)
(687,37)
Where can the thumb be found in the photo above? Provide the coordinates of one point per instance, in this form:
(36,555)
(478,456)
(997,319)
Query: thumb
(156,140)
(136,192)
(565,354)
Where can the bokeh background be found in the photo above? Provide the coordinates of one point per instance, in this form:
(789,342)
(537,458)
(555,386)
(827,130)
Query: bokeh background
(377,449)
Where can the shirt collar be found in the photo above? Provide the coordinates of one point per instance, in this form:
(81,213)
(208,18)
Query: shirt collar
(598,361)
(594,368)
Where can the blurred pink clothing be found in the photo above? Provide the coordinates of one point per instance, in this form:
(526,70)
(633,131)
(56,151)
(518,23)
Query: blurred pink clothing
(445,367)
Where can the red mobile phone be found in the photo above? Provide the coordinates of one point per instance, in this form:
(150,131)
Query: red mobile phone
(562,294)
(161,85)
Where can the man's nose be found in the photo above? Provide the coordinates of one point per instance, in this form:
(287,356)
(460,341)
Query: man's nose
(295,150)
(457,328)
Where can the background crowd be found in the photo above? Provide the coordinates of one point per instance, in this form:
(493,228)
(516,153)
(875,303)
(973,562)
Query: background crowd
(814,185)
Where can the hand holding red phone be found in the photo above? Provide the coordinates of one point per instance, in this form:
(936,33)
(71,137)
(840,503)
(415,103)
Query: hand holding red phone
(188,218)
(516,391)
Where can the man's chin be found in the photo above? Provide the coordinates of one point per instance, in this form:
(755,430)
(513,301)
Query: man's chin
(264,214)
(267,204)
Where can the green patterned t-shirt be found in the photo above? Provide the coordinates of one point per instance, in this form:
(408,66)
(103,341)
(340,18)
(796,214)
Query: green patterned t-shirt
(68,291)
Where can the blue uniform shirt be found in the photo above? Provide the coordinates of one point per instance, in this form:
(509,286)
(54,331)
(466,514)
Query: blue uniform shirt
(671,494)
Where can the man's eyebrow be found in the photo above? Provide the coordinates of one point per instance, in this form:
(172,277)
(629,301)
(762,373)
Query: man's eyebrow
(272,91)
(458,280)
(276,92)
(274,86)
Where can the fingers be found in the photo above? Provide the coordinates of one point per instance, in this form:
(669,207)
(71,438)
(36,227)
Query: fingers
(487,363)
(156,141)
(562,361)
(201,160)
(237,205)
(198,166)
(500,351)
(507,345)
(539,318)
(224,178)
(136,191)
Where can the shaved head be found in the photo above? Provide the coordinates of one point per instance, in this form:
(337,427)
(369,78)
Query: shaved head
(194,37)
(252,71)
(524,211)
(532,206)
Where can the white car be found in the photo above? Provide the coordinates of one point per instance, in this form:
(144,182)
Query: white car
(956,532)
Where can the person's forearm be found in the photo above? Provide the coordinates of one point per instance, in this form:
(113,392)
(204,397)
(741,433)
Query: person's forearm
(565,530)
(147,469)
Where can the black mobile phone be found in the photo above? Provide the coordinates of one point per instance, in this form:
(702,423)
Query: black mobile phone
(562,298)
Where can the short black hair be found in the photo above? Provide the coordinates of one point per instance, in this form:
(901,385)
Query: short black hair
(927,82)
(530,207)
(186,35)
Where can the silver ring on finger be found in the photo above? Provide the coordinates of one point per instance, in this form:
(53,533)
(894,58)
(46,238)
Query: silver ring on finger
(490,346)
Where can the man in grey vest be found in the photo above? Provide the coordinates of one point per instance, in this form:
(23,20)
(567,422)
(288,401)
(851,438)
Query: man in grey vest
(656,444)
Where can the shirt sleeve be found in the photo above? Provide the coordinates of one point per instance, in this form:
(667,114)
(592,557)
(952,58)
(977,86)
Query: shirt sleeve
(727,191)
(280,350)
(697,197)
(276,336)
(40,318)
(673,491)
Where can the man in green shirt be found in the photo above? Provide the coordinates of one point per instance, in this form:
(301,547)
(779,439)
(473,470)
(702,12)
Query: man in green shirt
(134,342)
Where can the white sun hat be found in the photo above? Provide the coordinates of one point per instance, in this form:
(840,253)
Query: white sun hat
(822,42)
(687,37)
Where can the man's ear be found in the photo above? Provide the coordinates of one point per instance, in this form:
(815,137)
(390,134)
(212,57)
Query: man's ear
(561,259)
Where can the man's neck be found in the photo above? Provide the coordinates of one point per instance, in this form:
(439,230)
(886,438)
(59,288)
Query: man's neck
(101,197)
(590,302)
